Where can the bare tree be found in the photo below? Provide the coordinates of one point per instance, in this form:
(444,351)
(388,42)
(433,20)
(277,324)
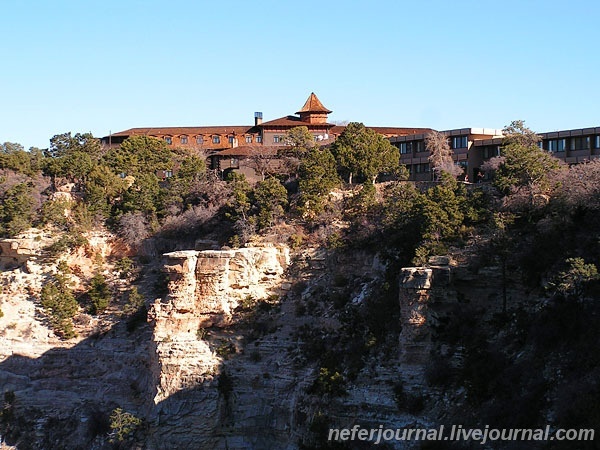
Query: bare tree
(440,155)
(133,228)
(260,160)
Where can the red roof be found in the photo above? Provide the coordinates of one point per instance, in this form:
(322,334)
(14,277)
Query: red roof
(399,131)
(176,131)
(313,105)
(293,121)
(395,131)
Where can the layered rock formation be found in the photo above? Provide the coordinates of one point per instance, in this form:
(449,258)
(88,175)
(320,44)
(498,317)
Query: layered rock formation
(15,252)
(205,287)
(420,289)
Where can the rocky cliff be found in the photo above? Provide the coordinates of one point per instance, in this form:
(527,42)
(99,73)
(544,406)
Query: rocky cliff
(205,287)
(234,353)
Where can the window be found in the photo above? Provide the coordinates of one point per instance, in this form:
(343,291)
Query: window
(490,152)
(248,139)
(459,142)
(580,143)
(419,146)
(184,139)
(168,173)
(231,139)
(216,139)
(597,141)
(275,139)
(199,140)
(258,139)
(556,145)
(403,148)
(235,163)
(168,140)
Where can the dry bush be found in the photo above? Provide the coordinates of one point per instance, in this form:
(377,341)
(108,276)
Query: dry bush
(188,222)
(579,185)
(133,228)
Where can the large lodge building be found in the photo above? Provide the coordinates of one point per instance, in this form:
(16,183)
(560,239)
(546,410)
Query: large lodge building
(228,147)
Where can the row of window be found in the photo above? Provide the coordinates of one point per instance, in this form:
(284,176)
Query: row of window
(410,147)
(419,146)
(419,168)
(574,143)
(426,167)
(215,139)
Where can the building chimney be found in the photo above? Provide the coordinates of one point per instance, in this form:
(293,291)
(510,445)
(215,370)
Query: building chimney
(257,118)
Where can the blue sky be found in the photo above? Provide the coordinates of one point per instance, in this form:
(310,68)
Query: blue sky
(102,65)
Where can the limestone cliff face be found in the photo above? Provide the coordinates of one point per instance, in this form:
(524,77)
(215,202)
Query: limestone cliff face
(422,291)
(204,289)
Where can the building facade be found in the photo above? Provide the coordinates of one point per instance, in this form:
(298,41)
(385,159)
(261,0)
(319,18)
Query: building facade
(236,147)
(471,147)
(415,156)
(231,147)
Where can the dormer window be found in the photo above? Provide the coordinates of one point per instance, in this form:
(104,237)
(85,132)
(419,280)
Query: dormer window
(168,140)
(248,139)
(216,139)
(184,140)
(231,139)
(199,140)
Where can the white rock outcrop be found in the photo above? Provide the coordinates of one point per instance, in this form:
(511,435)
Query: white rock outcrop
(205,287)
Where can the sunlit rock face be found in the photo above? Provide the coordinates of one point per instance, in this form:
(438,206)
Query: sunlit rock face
(205,287)
(424,292)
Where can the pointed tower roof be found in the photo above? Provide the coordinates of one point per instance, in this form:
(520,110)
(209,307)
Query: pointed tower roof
(313,105)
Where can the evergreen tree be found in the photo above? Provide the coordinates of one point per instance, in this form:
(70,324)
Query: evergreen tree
(317,178)
(361,152)
(270,198)
(99,293)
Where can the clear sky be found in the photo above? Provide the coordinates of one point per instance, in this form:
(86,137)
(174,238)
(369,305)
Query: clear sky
(102,65)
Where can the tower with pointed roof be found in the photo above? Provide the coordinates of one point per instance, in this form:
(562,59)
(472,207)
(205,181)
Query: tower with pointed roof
(313,110)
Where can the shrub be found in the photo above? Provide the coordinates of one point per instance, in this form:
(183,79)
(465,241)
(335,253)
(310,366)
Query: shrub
(329,382)
(295,241)
(135,301)
(68,241)
(99,293)
(133,228)
(53,212)
(59,303)
(16,209)
(123,425)
(572,281)
(225,349)
(201,333)
(125,267)
(271,199)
